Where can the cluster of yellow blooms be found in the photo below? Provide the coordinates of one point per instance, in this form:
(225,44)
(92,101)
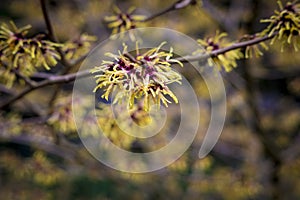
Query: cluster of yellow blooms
(124,21)
(62,118)
(111,127)
(285,24)
(143,76)
(226,60)
(75,49)
(22,55)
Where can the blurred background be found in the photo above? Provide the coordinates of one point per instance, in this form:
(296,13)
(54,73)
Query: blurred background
(257,156)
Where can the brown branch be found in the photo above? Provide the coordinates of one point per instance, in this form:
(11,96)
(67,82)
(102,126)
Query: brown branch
(235,46)
(57,79)
(47,20)
(27,80)
(58,89)
(176,6)
(51,81)
(51,33)
(65,62)
(49,147)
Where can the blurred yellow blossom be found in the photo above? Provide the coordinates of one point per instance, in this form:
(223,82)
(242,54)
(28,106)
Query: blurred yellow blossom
(62,117)
(226,60)
(124,21)
(79,47)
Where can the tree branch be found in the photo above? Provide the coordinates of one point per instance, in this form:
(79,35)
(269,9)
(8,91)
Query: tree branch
(176,6)
(226,49)
(60,151)
(56,79)
(51,81)
(47,21)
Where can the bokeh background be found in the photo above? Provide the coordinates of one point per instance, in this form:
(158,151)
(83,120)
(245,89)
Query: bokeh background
(256,157)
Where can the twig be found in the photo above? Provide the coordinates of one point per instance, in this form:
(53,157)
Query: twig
(47,21)
(67,65)
(51,33)
(27,80)
(71,77)
(5,90)
(51,81)
(63,152)
(226,49)
(176,6)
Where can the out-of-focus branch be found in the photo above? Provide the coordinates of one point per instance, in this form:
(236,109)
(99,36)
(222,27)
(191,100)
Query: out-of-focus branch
(47,20)
(51,33)
(27,80)
(227,21)
(176,6)
(57,90)
(270,149)
(63,152)
(68,66)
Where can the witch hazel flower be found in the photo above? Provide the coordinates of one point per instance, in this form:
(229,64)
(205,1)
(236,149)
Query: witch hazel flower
(285,24)
(124,21)
(139,78)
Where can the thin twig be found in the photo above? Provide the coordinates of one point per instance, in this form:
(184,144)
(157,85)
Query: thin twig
(51,148)
(47,21)
(51,33)
(169,9)
(51,81)
(56,79)
(68,66)
(27,80)
(176,6)
(238,45)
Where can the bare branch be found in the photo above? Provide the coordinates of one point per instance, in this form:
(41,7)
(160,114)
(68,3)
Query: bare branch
(176,6)
(51,81)
(57,79)
(49,147)
(47,20)
(226,49)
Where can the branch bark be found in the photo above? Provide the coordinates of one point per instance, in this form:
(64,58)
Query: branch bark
(50,81)
(235,46)
(176,6)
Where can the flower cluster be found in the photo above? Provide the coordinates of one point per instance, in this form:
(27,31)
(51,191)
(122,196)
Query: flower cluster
(42,170)
(23,54)
(285,24)
(62,118)
(10,124)
(226,60)
(143,76)
(124,21)
(112,130)
(79,47)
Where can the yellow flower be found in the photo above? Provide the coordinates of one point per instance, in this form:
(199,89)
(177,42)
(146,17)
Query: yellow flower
(79,47)
(124,21)
(112,130)
(285,24)
(23,54)
(226,60)
(138,77)
(62,118)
